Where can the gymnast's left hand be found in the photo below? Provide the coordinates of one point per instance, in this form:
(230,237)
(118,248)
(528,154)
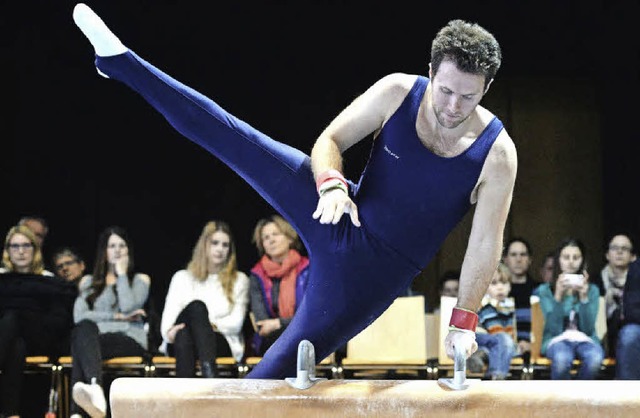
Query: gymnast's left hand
(463,339)
(332,205)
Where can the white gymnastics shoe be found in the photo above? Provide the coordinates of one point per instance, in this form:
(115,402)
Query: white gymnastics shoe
(104,42)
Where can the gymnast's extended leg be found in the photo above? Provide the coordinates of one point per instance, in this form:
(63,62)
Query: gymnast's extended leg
(353,276)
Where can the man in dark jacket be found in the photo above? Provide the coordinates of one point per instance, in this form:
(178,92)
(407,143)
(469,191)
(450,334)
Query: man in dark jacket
(628,349)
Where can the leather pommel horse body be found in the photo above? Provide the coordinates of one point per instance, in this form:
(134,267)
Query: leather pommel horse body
(199,398)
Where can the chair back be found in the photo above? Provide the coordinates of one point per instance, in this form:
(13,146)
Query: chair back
(398,336)
(537,327)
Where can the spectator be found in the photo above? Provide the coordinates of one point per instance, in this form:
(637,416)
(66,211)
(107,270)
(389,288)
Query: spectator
(628,346)
(69,265)
(448,286)
(35,314)
(206,305)
(109,319)
(620,254)
(570,307)
(517,256)
(545,273)
(496,334)
(278,280)
(38,226)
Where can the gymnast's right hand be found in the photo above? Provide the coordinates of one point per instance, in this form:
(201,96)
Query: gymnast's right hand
(332,204)
(464,339)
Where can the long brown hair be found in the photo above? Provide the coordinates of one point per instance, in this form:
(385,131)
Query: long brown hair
(567,242)
(199,264)
(101,265)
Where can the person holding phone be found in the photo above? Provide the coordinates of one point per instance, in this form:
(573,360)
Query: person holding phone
(570,306)
(109,319)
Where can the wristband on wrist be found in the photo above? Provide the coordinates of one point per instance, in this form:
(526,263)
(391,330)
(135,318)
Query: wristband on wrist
(332,184)
(463,319)
(324,190)
(331,175)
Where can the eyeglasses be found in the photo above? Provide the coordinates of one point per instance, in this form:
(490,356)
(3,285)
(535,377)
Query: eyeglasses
(619,248)
(64,264)
(24,246)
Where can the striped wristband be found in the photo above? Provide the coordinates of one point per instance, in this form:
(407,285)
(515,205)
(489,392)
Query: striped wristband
(463,319)
(330,185)
(331,175)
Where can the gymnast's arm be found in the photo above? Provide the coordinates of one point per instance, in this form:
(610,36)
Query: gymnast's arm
(364,116)
(492,208)
(495,192)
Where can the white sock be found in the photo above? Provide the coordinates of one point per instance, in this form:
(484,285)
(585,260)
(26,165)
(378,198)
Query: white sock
(104,42)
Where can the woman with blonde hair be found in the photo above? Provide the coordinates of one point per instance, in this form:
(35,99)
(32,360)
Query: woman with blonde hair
(278,280)
(24,256)
(206,305)
(35,313)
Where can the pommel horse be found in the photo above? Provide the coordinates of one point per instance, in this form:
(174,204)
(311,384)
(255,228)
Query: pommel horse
(308,397)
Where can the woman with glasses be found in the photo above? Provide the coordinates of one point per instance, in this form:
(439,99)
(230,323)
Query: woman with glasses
(35,313)
(109,315)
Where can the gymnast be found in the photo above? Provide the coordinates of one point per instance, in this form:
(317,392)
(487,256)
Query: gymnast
(436,153)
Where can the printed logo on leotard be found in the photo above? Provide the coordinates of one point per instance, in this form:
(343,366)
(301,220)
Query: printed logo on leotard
(394,155)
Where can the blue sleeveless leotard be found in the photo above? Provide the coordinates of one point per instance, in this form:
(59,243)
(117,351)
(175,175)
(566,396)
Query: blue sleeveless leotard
(408,199)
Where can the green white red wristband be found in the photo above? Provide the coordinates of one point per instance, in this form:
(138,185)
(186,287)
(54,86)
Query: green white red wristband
(331,179)
(463,320)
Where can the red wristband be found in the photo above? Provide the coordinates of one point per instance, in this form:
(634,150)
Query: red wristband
(464,319)
(328,175)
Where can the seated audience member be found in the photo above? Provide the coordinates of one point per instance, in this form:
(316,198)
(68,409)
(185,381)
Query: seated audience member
(545,273)
(69,265)
(570,307)
(35,313)
(109,319)
(206,305)
(620,254)
(448,286)
(38,226)
(517,256)
(496,332)
(628,345)
(278,280)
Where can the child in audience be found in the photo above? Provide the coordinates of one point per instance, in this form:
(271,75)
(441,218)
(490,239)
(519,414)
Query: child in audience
(496,330)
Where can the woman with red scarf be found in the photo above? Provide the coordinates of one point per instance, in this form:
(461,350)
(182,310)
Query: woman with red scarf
(278,280)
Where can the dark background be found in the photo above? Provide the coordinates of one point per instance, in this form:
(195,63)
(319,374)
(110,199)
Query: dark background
(85,152)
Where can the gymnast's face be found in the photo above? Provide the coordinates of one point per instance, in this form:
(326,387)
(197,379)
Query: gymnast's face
(275,243)
(455,94)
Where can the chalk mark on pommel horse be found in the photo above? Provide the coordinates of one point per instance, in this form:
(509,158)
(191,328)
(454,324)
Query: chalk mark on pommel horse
(221,398)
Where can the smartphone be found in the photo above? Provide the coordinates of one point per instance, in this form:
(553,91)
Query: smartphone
(575,279)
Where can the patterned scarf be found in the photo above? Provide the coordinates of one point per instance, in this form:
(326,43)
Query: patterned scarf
(287,272)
